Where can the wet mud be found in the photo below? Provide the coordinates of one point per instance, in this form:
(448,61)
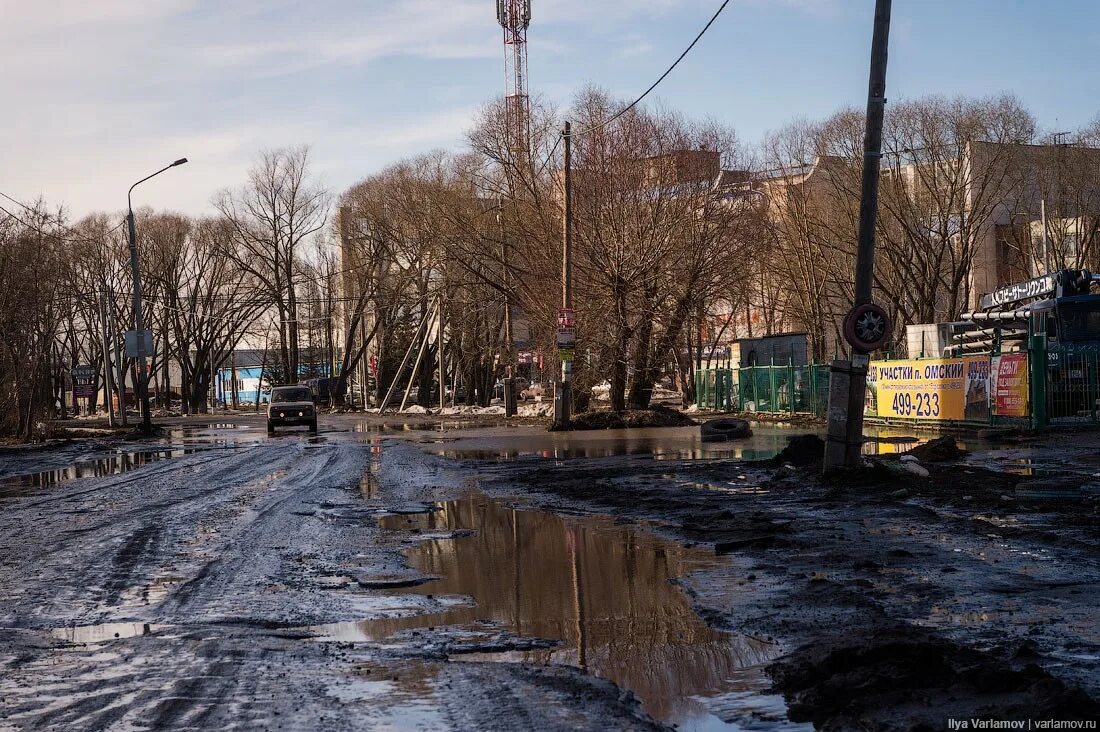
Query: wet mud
(489,579)
(905,601)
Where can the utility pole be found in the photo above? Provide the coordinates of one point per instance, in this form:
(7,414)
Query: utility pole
(509,341)
(563,401)
(364,363)
(233,377)
(141,383)
(867,325)
(120,366)
(442,370)
(106,358)
(1046,240)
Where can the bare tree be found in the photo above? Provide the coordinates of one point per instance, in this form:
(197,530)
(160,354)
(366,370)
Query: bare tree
(271,217)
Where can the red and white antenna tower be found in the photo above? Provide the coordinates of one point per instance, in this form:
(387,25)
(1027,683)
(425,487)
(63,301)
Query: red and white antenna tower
(514,17)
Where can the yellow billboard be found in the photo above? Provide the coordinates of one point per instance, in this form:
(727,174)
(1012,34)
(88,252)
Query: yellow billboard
(947,389)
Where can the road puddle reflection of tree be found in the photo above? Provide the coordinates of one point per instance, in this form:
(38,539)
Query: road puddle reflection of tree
(603,589)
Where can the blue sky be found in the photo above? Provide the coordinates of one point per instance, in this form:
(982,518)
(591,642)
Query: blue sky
(101,92)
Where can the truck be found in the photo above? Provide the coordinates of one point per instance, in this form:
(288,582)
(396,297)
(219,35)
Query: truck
(1063,310)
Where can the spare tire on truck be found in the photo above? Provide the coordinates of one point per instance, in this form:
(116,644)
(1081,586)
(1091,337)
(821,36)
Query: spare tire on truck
(724,428)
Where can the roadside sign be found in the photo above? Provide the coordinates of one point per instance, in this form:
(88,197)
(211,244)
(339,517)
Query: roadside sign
(1010,390)
(83,381)
(566,355)
(83,373)
(567,328)
(132,343)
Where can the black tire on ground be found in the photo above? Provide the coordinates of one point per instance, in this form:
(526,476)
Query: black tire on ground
(313,426)
(724,428)
(270,428)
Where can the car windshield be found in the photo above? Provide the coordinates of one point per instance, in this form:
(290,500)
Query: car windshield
(301,394)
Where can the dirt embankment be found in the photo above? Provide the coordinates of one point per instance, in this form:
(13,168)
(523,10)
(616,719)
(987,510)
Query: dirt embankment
(655,416)
(907,597)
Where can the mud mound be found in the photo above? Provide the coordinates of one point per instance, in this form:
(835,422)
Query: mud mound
(940,450)
(657,416)
(862,683)
(801,451)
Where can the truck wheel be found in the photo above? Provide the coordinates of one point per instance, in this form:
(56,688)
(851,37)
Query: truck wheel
(313,426)
(270,429)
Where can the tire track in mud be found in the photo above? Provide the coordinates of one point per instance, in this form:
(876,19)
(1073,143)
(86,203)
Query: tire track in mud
(209,667)
(129,531)
(250,536)
(250,551)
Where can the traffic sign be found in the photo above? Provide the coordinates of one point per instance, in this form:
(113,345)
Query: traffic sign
(132,344)
(867,327)
(567,318)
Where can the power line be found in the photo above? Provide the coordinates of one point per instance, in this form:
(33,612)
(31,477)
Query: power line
(73,233)
(646,93)
(655,84)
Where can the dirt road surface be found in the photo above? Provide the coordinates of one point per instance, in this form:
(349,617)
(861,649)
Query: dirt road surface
(501,579)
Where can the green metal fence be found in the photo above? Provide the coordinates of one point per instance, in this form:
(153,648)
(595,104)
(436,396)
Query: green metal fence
(786,389)
(1066,392)
(1071,386)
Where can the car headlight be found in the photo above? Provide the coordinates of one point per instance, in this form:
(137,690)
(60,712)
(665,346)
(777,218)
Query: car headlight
(301,414)
(282,414)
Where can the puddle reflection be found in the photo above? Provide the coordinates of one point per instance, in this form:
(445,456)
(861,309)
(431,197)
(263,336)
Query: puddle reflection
(426,426)
(668,443)
(92,634)
(677,443)
(605,591)
(99,467)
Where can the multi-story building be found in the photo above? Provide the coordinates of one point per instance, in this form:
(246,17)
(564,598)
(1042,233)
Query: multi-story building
(997,213)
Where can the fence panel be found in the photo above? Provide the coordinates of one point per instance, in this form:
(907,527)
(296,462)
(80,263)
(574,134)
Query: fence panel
(777,389)
(1071,388)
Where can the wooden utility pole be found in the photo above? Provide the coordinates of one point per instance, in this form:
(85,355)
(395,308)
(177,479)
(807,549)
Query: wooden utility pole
(419,357)
(421,330)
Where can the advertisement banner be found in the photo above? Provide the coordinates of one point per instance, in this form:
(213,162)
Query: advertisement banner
(1011,385)
(945,389)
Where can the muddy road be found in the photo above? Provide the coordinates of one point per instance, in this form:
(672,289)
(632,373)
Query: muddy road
(501,578)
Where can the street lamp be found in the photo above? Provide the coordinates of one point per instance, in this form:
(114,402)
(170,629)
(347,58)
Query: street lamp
(143,377)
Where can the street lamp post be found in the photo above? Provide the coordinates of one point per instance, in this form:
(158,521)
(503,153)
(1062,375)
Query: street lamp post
(139,322)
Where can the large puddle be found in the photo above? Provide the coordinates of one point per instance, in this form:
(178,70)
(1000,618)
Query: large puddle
(605,591)
(667,443)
